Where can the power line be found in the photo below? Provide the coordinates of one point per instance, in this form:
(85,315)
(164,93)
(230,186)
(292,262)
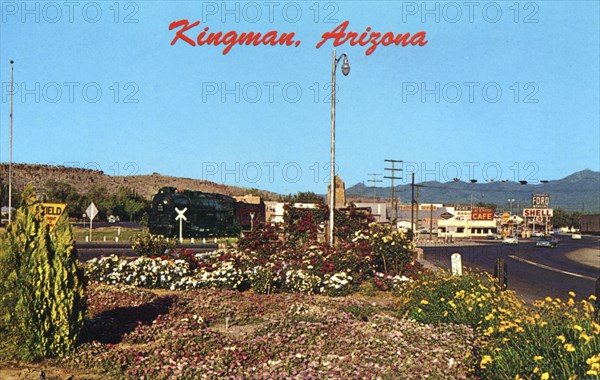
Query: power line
(392,177)
(374,181)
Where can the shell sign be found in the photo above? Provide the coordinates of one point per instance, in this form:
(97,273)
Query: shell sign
(52,212)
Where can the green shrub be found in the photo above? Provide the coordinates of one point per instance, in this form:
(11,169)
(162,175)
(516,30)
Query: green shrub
(41,286)
(153,245)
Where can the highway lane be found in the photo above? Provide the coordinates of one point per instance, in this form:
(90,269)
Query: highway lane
(88,251)
(529,281)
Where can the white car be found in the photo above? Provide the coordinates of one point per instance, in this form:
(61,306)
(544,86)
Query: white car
(510,240)
(576,236)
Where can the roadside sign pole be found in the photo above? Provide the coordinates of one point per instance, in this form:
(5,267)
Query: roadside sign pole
(181,218)
(91,212)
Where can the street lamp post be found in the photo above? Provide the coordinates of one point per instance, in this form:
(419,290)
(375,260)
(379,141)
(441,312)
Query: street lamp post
(511,201)
(345,71)
(10,138)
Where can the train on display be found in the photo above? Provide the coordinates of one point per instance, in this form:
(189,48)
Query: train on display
(207,214)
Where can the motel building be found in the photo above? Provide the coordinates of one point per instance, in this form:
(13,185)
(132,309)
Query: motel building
(466,223)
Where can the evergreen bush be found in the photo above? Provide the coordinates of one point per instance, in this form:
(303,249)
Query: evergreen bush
(42,299)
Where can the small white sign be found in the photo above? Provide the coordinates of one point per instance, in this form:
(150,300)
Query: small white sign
(456,262)
(91,211)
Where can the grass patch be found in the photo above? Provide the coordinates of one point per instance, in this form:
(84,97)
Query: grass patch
(98,234)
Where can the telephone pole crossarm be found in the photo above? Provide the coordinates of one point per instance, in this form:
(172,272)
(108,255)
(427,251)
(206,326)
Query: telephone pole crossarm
(374,181)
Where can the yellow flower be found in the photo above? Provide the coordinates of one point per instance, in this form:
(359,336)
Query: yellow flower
(569,347)
(591,372)
(489,331)
(572,294)
(424,302)
(561,338)
(578,328)
(585,337)
(517,377)
(536,370)
(548,299)
(570,302)
(545,376)
(485,361)
(537,358)
(592,297)
(595,328)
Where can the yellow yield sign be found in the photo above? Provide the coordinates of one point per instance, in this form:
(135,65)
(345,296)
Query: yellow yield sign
(52,212)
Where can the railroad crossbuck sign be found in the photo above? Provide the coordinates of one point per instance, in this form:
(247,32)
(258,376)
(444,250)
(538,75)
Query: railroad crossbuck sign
(52,212)
(181,218)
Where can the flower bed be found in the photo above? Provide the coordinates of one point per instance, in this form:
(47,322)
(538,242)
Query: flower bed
(218,334)
(552,339)
(314,270)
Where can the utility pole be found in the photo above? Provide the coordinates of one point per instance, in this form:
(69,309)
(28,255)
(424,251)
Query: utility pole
(430,221)
(417,204)
(412,206)
(374,181)
(392,177)
(10,146)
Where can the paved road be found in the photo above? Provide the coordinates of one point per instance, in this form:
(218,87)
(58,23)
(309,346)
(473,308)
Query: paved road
(87,251)
(530,281)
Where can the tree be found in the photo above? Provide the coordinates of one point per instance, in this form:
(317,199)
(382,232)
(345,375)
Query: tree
(133,207)
(562,218)
(304,197)
(129,204)
(41,286)
(62,192)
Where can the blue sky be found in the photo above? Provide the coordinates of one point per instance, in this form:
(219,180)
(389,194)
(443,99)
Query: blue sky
(501,90)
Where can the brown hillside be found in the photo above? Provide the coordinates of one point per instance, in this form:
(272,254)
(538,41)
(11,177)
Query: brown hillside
(82,179)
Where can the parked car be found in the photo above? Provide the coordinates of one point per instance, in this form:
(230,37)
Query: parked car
(113,219)
(495,236)
(513,240)
(547,242)
(576,235)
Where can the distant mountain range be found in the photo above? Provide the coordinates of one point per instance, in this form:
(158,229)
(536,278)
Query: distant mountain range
(578,192)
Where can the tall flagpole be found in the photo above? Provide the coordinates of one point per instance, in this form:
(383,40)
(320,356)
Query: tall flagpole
(10,146)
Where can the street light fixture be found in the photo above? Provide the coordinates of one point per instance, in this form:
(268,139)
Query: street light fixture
(345,71)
